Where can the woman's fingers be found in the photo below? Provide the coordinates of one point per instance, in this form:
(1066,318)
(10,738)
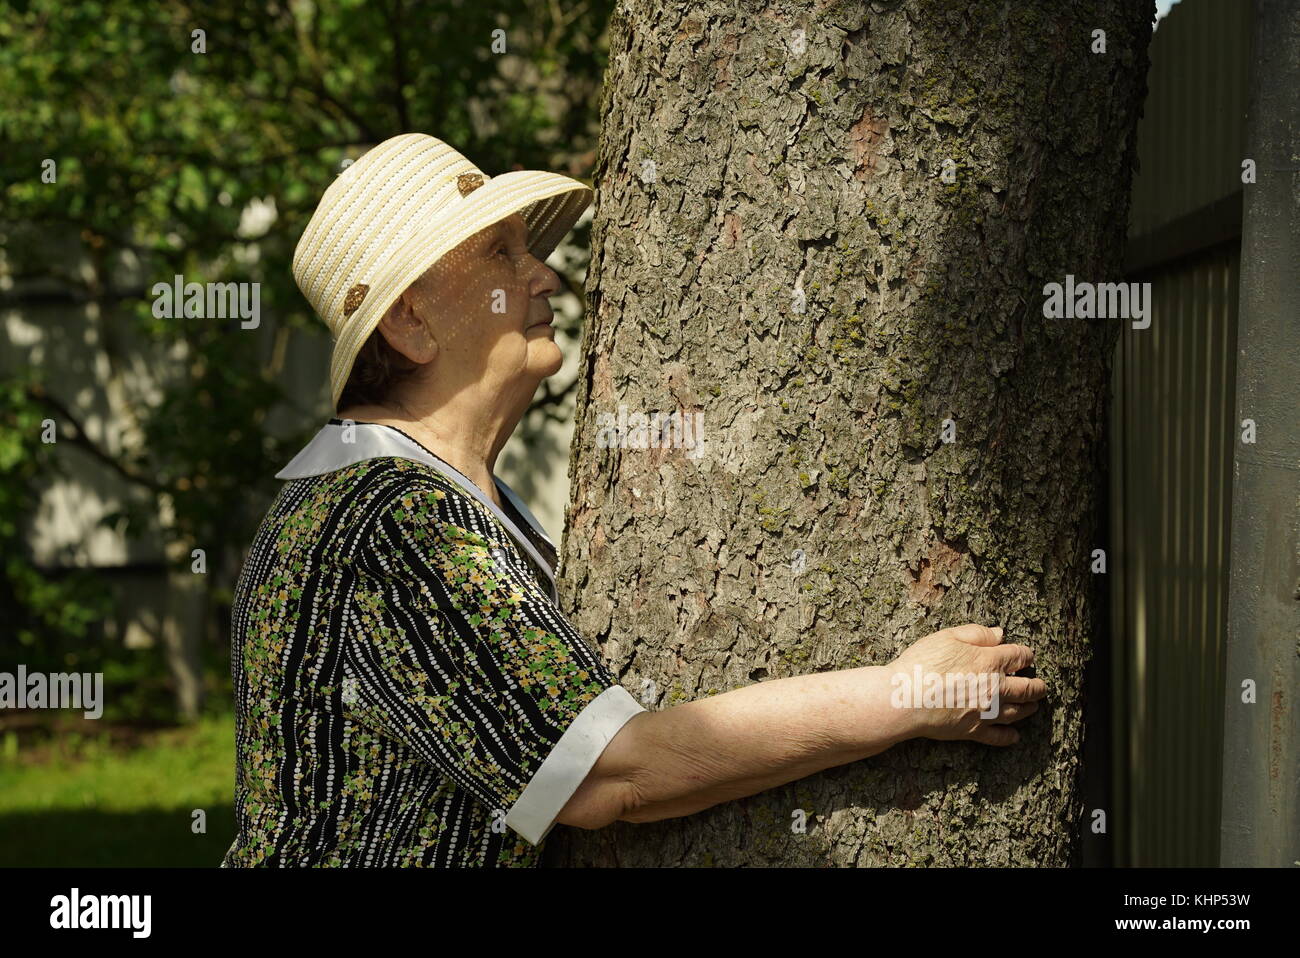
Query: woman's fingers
(1018,688)
(976,634)
(1008,658)
(1012,658)
(1014,712)
(995,735)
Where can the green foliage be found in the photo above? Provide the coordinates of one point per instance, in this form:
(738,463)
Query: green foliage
(159,152)
(39,607)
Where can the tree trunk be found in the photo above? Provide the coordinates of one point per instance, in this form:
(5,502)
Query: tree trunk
(778,247)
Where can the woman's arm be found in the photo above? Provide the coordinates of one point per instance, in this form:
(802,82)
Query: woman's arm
(690,757)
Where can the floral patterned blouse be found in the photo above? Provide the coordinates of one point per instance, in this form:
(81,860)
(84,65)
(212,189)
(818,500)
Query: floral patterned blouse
(407,691)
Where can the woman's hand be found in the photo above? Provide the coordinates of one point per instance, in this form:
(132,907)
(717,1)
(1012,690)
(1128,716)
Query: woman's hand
(954,655)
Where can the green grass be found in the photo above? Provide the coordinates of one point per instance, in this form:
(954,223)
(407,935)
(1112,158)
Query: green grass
(83,801)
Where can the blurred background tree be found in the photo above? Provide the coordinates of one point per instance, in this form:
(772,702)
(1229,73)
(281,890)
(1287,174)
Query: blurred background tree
(195,139)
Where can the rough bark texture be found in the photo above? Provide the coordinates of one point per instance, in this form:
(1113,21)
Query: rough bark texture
(780,166)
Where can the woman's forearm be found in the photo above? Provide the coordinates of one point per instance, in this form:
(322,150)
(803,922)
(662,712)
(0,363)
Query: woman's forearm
(695,755)
(688,758)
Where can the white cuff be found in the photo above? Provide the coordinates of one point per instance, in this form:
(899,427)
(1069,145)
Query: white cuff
(533,813)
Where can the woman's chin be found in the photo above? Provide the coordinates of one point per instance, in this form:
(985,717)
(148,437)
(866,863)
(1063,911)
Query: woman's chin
(545,356)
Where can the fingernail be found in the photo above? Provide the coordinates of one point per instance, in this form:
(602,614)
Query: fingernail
(998,630)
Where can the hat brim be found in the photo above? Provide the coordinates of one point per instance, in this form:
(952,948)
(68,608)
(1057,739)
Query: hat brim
(549,203)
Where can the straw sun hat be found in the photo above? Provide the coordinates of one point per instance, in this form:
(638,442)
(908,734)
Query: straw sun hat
(394,212)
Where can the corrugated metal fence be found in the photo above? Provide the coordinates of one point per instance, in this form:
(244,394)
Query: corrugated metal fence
(1172,441)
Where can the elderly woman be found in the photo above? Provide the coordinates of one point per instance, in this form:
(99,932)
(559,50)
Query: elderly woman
(408,691)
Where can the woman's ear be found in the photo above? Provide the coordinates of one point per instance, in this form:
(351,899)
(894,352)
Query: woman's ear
(407,332)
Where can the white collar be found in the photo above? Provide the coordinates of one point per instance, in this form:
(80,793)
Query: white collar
(328,452)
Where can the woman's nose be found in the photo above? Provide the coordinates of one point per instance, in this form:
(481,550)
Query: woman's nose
(544,280)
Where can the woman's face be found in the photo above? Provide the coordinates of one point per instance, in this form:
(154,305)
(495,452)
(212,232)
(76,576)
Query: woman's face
(486,306)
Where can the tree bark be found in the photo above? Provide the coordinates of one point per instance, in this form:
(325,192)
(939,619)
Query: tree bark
(793,263)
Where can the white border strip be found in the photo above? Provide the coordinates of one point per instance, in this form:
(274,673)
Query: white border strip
(533,813)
